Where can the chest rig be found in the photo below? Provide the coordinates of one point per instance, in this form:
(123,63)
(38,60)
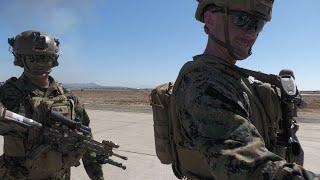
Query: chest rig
(55,160)
(52,161)
(37,102)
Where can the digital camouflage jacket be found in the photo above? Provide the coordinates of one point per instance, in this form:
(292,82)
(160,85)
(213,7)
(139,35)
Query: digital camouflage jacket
(232,122)
(21,96)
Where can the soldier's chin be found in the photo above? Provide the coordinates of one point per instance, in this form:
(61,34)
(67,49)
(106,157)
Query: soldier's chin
(241,55)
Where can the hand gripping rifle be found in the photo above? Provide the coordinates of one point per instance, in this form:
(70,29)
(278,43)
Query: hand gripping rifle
(285,81)
(63,135)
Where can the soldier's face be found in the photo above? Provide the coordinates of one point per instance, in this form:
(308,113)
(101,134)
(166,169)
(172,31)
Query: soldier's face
(242,35)
(38,64)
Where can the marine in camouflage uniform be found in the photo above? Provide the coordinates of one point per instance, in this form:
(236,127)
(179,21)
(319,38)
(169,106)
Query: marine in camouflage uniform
(37,52)
(230,120)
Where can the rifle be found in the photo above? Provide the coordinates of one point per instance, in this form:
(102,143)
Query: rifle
(64,135)
(285,81)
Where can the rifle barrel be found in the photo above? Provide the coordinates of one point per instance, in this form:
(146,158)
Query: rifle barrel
(71,124)
(11,116)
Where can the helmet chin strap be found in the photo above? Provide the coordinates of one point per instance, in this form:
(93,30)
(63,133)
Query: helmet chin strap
(227,44)
(226,34)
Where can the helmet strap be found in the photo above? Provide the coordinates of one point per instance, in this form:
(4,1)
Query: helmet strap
(226,33)
(25,66)
(226,45)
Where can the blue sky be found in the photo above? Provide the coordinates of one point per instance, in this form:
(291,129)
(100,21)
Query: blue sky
(143,43)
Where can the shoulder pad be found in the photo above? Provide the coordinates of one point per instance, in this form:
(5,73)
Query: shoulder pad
(11,80)
(11,93)
(10,83)
(186,68)
(226,87)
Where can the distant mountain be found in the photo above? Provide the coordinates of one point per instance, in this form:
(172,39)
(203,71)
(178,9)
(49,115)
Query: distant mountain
(92,86)
(82,85)
(310,92)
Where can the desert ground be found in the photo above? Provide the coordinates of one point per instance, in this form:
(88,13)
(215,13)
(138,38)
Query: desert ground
(124,116)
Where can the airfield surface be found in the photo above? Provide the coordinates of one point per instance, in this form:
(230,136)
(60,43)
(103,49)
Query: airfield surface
(134,133)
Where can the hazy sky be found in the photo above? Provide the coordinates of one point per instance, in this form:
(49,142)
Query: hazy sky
(142,43)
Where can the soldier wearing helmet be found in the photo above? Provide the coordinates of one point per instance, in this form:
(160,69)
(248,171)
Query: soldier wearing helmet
(226,124)
(37,53)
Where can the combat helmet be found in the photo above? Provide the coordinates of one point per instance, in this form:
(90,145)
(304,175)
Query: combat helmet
(32,42)
(260,8)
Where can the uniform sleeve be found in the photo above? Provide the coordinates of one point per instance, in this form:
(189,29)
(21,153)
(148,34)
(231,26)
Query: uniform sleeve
(218,127)
(92,167)
(10,97)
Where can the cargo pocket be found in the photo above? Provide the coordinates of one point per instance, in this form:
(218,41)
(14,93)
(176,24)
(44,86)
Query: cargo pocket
(47,164)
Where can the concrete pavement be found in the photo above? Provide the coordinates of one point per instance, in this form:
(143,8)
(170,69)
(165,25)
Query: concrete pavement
(134,133)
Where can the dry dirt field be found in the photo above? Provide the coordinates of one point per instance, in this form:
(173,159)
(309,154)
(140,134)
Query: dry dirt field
(138,100)
(313,103)
(115,100)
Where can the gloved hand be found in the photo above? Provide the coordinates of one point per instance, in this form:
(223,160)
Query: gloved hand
(41,113)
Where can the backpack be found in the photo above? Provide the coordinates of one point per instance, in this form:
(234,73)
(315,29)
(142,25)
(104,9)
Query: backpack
(168,138)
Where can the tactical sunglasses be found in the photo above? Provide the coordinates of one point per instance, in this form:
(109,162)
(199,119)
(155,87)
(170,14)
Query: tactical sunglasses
(243,20)
(40,58)
(246,21)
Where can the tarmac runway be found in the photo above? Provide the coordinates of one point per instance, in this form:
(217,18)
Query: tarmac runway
(134,133)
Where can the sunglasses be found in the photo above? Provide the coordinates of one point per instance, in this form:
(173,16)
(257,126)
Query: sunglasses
(40,58)
(247,21)
(244,20)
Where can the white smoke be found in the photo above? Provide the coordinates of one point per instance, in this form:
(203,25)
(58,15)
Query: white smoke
(60,16)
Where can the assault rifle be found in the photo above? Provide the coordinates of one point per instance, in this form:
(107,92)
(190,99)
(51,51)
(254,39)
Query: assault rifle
(64,135)
(290,99)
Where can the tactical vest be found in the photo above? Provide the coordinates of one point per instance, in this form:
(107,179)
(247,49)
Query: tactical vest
(260,97)
(52,162)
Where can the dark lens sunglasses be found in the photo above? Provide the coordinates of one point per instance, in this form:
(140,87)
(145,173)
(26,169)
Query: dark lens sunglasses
(244,20)
(40,58)
(247,21)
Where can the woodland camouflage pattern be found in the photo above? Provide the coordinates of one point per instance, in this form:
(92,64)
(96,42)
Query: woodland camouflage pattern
(13,96)
(223,117)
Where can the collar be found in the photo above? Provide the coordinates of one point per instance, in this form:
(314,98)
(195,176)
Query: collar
(220,64)
(52,90)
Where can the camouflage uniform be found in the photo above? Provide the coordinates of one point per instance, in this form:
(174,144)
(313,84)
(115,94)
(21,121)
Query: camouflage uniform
(15,95)
(232,122)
